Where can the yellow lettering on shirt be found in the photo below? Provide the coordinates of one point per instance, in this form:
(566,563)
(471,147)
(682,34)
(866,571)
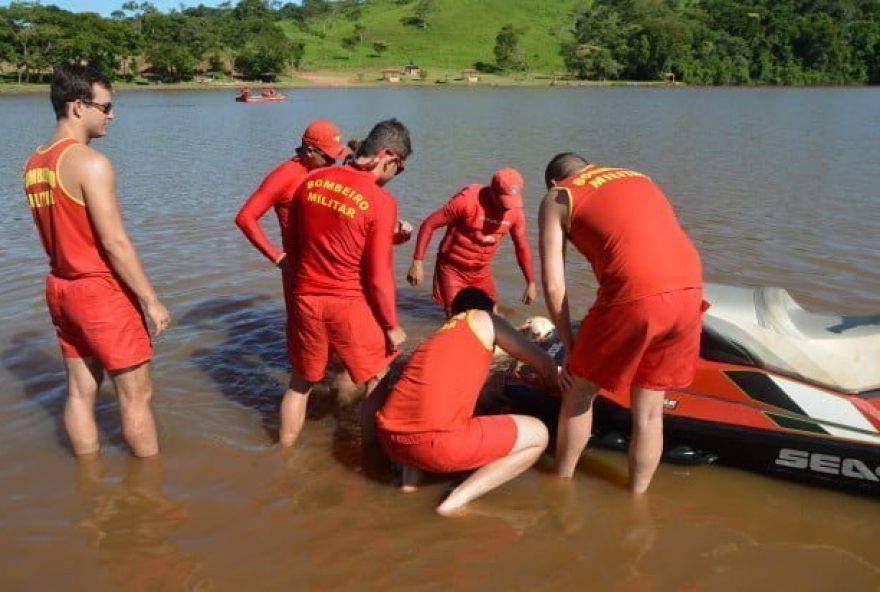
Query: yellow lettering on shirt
(335,205)
(341,190)
(40,176)
(621,174)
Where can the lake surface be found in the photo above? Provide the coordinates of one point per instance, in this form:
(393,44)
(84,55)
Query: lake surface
(776,186)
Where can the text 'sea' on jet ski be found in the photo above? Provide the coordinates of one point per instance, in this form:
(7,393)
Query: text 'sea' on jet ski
(778,390)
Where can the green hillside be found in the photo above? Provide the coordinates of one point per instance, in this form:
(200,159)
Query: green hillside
(458,34)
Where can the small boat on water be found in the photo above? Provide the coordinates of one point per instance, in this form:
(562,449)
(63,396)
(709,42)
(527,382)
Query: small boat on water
(266,95)
(778,390)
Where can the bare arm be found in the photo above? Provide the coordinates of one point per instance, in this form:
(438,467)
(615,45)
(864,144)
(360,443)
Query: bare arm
(553,230)
(516,344)
(98,183)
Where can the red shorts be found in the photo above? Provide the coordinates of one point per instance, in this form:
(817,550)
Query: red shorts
(449,280)
(651,342)
(484,439)
(97,317)
(321,325)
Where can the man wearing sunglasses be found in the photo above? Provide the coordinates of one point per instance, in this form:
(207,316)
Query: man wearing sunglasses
(97,286)
(340,237)
(476,220)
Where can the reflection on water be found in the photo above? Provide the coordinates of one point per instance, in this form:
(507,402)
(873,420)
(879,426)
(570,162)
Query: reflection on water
(776,187)
(129,523)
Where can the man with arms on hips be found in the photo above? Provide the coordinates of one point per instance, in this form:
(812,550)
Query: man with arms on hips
(96,285)
(477,218)
(643,331)
(341,234)
(428,423)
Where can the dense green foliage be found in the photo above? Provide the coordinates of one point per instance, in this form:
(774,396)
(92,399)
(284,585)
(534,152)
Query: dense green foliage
(695,41)
(138,38)
(728,41)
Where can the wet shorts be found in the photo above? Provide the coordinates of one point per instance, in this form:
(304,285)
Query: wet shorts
(651,342)
(321,325)
(97,317)
(449,280)
(484,439)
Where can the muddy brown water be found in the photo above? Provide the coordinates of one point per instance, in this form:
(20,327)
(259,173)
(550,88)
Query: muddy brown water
(776,187)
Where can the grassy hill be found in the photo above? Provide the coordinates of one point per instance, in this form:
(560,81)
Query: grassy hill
(459,33)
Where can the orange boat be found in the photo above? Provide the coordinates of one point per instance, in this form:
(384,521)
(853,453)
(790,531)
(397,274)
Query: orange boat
(266,95)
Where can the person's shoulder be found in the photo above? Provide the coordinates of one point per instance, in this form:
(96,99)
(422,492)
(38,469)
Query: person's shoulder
(483,325)
(469,192)
(291,166)
(83,158)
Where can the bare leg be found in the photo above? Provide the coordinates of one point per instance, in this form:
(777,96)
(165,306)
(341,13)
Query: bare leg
(375,394)
(646,444)
(135,390)
(83,380)
(410,479)
(575,425)
(293,409)
(531,441)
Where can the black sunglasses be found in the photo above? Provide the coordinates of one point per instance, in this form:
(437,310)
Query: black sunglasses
(104,108)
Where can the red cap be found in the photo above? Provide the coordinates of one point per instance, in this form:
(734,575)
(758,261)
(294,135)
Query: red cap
(507,185)
(324,136)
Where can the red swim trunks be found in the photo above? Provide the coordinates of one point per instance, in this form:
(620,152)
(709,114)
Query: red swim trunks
(321,325)
(449,281)
(484,439)
(97,317)
(652,342)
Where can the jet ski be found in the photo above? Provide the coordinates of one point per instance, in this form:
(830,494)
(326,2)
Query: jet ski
(778,390)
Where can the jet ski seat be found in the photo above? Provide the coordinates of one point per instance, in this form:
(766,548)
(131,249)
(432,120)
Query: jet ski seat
(837,352)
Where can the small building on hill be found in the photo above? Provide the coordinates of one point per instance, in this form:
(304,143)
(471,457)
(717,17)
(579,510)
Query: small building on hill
(391,74)
(413,71)
(470,76)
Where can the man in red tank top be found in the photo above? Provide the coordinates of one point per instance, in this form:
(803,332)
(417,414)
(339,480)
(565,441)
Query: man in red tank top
(96,285)
(340,237)
(477,218)
(643,331)
(427,421)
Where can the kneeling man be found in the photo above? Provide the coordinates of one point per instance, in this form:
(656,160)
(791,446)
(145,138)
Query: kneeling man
(428,420)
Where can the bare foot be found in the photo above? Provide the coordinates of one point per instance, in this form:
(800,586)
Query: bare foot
(450,510)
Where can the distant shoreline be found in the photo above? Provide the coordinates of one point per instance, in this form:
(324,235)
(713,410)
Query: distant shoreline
(342,79)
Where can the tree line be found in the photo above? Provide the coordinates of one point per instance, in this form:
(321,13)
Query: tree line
(728,41)
(694,41)
(176,45)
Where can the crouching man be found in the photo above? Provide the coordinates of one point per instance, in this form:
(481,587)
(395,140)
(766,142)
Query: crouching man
(428,423)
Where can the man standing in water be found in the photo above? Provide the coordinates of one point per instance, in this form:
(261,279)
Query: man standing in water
(477,218)
(643,331)
(96,285)
(428,422)
(341,235)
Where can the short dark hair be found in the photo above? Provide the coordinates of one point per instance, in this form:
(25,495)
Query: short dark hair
(472,298)
(386,135)
(73,82)
(562,166)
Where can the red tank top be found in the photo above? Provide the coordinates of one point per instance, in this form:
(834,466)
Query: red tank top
(440,384)
(62,219)
(624,225)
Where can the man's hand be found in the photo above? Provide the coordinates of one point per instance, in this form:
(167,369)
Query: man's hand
(159,316)
(566,380)
(416,273)
(402,232)
(530,293)
(396,337)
